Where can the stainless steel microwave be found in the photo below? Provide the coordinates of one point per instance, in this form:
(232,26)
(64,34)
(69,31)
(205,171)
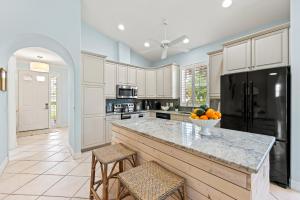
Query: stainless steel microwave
(127,92)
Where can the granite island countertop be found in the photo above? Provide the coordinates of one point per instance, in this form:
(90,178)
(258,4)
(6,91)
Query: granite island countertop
(238,149)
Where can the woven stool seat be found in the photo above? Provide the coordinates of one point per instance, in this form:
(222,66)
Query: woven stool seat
(115,155)
(150,181)
(112,153)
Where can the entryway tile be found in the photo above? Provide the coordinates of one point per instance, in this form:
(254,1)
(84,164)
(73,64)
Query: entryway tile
(62,168)
(39,168)
(66,187)
(19,166)
(2,196)
(84,191)
(11,182)
(39,185)
(21,197)
(60,156)
(83,169)
(52,198)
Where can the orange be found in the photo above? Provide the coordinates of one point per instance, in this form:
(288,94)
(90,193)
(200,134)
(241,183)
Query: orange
(204,117)
(210,113)
(214,117)
(193,115)
(218,114)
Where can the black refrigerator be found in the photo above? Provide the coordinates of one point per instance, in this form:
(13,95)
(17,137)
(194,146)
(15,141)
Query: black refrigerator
(259,102)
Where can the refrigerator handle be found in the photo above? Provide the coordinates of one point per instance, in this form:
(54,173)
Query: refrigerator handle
(251,103)
(244,101)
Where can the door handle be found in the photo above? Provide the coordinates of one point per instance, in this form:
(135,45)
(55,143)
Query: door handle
(251,110)
(46,106)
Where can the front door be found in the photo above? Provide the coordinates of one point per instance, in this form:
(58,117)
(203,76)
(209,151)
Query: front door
(33,101)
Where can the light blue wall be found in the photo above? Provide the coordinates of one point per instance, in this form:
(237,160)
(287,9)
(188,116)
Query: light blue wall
(295,70)
(55,24)
(124,53)
(97,42)
(199,54)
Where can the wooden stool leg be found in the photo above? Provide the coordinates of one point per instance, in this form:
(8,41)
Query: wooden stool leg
(93,172)
(105,182)
(121,169)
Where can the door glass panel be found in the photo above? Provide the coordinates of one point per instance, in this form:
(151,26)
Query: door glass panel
(27,78)
(40,78)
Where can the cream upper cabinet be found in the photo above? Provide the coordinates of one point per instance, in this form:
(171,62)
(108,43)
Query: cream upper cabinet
(160,82)
(271,50)
(122,74)
(171,82)
(131,76)
(92,68)
(237,57)
(141,82)
(151,83)
(110,77)
(215,72)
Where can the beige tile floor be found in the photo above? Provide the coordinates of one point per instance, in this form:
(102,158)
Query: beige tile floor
(41,168)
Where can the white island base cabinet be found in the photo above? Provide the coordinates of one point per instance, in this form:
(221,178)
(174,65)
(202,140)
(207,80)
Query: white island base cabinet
(205,179)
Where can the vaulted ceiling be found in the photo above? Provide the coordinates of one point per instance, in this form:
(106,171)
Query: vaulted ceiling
(203,21)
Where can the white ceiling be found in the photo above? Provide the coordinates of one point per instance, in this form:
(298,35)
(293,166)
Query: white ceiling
(203,21)
(32,53)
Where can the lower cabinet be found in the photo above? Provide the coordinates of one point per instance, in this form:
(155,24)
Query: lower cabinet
(93,131)
(108,125)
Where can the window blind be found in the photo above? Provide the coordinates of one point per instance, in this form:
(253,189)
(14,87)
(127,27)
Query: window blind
(193,85)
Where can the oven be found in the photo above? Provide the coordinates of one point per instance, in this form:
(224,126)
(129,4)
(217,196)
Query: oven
(127,92)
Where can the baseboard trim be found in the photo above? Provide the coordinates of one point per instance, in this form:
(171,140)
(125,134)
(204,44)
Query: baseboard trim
(75,156)
(3,165)
(295,185)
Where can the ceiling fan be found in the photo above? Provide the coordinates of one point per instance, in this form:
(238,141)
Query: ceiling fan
(165,44)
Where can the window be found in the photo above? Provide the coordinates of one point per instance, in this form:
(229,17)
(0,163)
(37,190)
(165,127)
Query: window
(193,88)
(53,101)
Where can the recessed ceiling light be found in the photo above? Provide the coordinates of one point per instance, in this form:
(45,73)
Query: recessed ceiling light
(226,3)
(147,44)
(186,40)
(40,57)
(121,27)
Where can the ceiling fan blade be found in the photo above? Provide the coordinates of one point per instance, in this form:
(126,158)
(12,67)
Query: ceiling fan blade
(178,40)
(164,53)
(181,49)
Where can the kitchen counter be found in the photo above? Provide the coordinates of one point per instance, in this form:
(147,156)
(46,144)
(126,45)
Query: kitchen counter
(155,111)
(226,165)
(235,148)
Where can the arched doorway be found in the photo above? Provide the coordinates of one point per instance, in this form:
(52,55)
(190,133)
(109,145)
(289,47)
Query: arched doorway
(41,41)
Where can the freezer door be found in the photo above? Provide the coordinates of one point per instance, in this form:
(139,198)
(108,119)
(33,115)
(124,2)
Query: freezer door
(279,163)
(268,99)
(234,101)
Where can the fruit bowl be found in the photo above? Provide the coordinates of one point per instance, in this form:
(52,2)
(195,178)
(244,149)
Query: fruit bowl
(205,124)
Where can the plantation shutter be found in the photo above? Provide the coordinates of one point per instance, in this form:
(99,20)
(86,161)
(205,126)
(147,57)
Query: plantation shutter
(193,85)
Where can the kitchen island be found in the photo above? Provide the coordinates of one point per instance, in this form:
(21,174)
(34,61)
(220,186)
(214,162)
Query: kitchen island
(225,165)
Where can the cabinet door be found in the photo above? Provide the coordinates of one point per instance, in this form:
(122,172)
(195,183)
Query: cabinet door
(93,101)
(93,131)
(122,74)
(131,76)
(270,50)
(108,131)
(141,82)
(237,57)
(215,72)
(168,82)
(92,68)
(160,82)
(151,83)
(110,76)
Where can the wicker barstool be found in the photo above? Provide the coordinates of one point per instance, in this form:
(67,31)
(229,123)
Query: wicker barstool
(115,154)
(150,181)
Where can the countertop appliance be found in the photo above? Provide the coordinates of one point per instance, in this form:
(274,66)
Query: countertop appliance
(163,115)
(259,102)
(127,92)
(126,111)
